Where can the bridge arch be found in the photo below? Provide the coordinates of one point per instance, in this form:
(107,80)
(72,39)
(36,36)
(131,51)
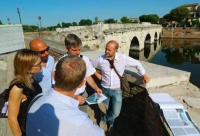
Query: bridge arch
(147,39)
(135,41)
(134,44)
(155,36)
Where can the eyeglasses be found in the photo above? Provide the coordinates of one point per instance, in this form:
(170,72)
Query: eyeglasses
(42,52)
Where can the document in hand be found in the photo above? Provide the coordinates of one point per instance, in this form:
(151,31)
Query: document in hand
(176,116)
(96,98)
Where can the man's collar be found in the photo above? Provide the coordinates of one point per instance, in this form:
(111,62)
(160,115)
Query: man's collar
(116,56)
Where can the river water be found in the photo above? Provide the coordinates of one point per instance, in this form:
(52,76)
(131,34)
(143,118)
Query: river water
(183,54)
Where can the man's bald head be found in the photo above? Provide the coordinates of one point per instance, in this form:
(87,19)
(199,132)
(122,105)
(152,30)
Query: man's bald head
(39,46)
(36,44)
(114,43)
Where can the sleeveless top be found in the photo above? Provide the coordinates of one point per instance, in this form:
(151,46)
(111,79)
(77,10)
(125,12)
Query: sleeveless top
(30,94)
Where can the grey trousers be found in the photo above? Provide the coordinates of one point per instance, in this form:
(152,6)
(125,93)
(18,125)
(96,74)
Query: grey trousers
(84,107)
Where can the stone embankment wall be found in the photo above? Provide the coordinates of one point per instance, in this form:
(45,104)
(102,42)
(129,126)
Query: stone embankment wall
(181,33)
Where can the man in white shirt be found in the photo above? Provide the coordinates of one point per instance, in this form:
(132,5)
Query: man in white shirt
(57,113)
(73,46)
(44,78)
(110,81)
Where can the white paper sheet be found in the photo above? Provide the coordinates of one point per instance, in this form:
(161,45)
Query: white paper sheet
(96,98)
(175,115)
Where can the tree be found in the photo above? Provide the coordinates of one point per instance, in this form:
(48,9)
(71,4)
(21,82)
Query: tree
(66,24)
(124,19)
(96,20)
(84,22)
(167,17)
(1,23)
(179,13)
(110,21)
(74,24)
(58,25)
(153,18)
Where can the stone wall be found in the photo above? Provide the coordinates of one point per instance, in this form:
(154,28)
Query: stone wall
(181,33)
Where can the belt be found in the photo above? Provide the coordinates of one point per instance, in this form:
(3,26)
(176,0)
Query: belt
(117,89)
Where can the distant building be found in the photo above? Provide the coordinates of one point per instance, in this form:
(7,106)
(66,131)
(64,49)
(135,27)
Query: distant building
(193,8)
(194,12)
(134,20)
(100,23)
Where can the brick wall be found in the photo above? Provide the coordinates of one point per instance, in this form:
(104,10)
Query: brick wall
(180,33)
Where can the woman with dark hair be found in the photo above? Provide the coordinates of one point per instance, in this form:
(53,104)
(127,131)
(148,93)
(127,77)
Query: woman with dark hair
(23,88)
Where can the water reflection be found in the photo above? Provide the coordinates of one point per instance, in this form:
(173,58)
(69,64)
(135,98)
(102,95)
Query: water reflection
(147,49)
(176,51)
(150,50)
(179,51)
(183,54)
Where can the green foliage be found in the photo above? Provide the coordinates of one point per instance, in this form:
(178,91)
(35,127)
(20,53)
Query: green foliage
(124,19)
(178,14)
(27,28)
(110,21)
(51,28)
(66,24)
(96,20)
(1,23)
(74,24)
(58,25)
(167,17)
(153,18)
(195,22)
(84,22)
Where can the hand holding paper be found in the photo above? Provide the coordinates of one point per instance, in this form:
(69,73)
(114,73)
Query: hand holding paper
(95,98)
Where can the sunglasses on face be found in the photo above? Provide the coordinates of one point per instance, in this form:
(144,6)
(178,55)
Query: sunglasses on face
(42,52)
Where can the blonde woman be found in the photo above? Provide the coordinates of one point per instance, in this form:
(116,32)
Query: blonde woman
(23,89)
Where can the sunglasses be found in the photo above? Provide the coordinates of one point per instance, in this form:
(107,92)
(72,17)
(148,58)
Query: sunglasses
(42,52)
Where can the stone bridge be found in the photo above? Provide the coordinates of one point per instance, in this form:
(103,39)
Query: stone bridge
(148,53)
(129,36)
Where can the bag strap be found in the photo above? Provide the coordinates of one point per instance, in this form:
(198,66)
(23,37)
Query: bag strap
(31,103)
(113,66)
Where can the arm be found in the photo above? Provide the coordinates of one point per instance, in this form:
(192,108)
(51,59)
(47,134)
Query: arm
(14,101)
(80,98)
(91,82)
(98,75)
(135,63)
(146,79)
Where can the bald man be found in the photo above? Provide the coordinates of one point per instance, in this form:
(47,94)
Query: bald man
(44,78)
(110,81)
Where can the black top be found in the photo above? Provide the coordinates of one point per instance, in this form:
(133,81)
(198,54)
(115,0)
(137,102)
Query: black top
(30,94)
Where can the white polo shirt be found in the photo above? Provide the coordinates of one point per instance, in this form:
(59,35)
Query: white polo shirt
(89,71)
